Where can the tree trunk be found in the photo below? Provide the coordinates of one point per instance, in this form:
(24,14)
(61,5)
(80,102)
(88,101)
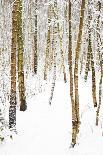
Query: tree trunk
(12,108)
(93,81)
(101,68)
(22,97)
(87,69)
(60,39)
(91,58)
(54,64)
(76,65)
(74,120)
(35,40)
(100,91)
(47,47)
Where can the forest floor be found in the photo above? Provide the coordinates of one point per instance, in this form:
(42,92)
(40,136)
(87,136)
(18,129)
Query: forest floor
(46,130)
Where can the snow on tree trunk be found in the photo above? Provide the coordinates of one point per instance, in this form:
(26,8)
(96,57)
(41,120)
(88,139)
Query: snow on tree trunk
(20,49)
(12,108)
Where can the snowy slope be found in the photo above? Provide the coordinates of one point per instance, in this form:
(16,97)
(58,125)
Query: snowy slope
(46,130)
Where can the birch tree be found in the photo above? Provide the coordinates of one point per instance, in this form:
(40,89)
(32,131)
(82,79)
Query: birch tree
(99,38)
(91,58)
(74,136)
(20,49)
(77,51)
(12,108)
(47,44)
(35,40)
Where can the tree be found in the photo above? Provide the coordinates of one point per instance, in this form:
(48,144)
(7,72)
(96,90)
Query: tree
(48,44)
(20,50)
(92,60)
(100,89)
(55,10)
(54,62)
(71,80)
(12,108)
(77,121)
(87,69)
(101,68)
(35,40)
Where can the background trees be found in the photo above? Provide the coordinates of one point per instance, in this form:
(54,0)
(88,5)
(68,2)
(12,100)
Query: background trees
(50,40)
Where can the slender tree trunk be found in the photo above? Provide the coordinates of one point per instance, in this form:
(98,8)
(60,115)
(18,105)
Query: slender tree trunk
(60,38)
(81,64)
(62,54)
(74,119)
(101,68)
(87,69)
(35,40)
(76,65)
(22,97)
(12,108)
(91,58)
(100,90)
(47,47)
(93,81)
(54,65)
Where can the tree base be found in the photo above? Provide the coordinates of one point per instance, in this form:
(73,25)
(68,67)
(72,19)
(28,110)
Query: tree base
(23,106)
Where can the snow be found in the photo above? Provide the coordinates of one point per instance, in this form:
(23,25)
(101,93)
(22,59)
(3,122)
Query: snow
(46,130)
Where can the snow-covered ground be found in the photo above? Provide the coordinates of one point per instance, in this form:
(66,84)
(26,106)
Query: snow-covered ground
(46,130)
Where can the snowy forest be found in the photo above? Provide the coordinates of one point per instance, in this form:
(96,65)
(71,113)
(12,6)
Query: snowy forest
(51,77)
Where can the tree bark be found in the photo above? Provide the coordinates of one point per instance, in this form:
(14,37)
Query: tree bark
(74,120)
(22,97)
(76,65)
(91,58)
(60,39)
(47,47)
(101,68)
(12,108)
(35,40)
(54,64)
(87,69)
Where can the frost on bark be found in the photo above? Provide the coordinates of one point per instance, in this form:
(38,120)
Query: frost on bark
(54,63)
(87,69)
(93,81)
(12,108)
(76,124)
(60,39)
(92,59)
(3,127)
(88,61)
(100,90)
(20,49)
(48,45)
(101,68)
(53,51)
(35,40)
(71,80)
